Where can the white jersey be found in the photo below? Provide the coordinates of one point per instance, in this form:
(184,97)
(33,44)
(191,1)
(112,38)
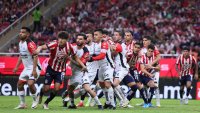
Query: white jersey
(26,50)
(103,47)
(120,59)
(143,51)
(92,66)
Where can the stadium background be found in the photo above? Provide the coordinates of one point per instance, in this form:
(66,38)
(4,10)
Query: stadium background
(173,23)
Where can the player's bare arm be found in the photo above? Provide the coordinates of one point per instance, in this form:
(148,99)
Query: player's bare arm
(19,61)
(35,61)
(79,62)
(143,69)
(196,71)
(158,57)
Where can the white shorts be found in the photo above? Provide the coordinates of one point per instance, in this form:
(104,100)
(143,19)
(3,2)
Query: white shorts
(76,78)
(26,74)
(156,78)
(121,73)
(105,73)
(90,75)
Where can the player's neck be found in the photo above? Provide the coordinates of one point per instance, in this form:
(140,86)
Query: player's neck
(80,47)
(128,42)
(90,43)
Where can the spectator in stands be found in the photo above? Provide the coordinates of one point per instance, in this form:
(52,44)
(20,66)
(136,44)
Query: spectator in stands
(37,16)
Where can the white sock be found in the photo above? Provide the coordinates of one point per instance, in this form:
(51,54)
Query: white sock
(111,96)
(21,95)
(34,96)
(157,94)
(118,88)
(105,91)
(96,99)
(117,94)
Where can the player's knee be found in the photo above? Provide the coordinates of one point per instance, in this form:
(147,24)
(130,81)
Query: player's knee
(107,84)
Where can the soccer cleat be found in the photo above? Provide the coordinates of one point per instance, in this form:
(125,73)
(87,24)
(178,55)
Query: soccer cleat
(181,101)
(140,104)
(100,107)
(21,106)
(65,103)
(112,107)
(45,106)
(150,105)
(158,105)
(80,104)
(73,106)
(125,103)
(106,106)
(34,104)
(129,106)
(145,105)
(186,100)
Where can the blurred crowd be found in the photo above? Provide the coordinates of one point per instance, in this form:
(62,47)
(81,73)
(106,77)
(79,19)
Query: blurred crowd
(11,10)
(172,23)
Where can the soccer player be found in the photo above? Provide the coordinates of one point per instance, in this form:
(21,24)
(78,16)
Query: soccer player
(91,66)
(185,65)
(79,77)
(102,55)
(60,51)
(146,72)
(31,69)
(132,79)
(146,43)
(122,68)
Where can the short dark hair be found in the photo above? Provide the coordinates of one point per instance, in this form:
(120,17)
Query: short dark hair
(120,33)
(105,32)
(82,34)
(27,29)
(99,30)
(128,31)
(151,46)
(147,37)
(89,32)
(63,35)
(138,43)
(186,48)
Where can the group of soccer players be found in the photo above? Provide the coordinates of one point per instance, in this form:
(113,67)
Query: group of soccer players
(96,58)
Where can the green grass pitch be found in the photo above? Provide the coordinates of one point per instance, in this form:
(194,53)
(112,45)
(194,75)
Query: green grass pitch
(7,103)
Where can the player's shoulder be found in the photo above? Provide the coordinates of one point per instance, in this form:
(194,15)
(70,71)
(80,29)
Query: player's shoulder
(85,49)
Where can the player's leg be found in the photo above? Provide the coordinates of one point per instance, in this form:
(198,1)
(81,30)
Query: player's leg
(31,84)
(188,86)
(21,92)
(182,83)
(157,90)
(71,96)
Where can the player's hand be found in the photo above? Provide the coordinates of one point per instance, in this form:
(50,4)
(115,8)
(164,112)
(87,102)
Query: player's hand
(34,74)
(15,70)
(84,69)
(196,76)
(90,59)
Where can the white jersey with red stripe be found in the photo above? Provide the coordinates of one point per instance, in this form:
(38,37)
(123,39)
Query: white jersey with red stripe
(103,47)
(146,60)
(82,54)
(120,59)
(26,49)
(92,66)
(186,64)
(58,55)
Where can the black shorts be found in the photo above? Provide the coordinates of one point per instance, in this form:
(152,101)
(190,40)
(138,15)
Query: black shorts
(144,79)
(53,75)
(184,79)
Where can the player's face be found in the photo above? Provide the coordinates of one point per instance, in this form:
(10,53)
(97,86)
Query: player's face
(23,34)
(149,52)
(185,53)
(80,41)
(89,38)
(97,36)
(136,48)
(128,36)
(146,42)
(116,37)
(62,42)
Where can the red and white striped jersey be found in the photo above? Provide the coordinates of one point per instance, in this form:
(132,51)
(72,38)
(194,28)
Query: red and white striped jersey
(129,47)
(186,64)
(82,54)
(26,49)
(58,55)
(145,60)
